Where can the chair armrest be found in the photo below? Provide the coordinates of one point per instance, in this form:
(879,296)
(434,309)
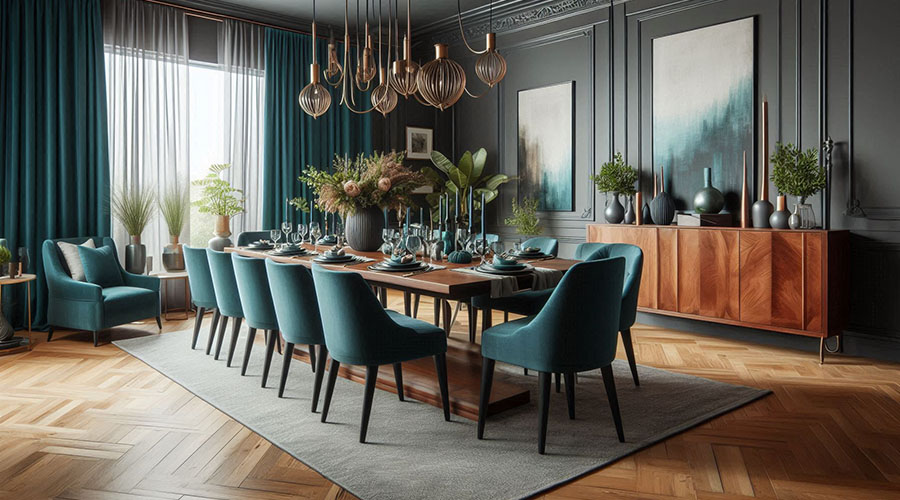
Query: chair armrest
(63,287)
(141,281)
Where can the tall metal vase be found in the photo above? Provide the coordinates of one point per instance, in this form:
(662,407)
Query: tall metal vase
(222,232)
(135,256)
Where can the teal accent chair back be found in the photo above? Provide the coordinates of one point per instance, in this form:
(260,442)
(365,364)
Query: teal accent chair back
(86,306)
(202,292)
(296,306)
(491,238)
(254,292)
(224,284)
(549,246)
(634,265)
(248,237)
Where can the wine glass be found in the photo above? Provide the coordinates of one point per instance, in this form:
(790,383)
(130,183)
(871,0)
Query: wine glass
(498,247)
(431,240)
(315,232)
(396,237)
(413,244)
(462,237)
(302,229)
(275,235)
(296,239)
(387,235)
(286,228)
(339,233)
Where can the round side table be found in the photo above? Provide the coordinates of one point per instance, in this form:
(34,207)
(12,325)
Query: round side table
(165,277)
(22,278)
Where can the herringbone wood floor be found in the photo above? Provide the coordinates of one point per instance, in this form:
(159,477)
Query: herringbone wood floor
(79,422)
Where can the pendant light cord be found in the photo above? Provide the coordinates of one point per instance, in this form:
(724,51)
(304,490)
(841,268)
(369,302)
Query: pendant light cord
(462,32)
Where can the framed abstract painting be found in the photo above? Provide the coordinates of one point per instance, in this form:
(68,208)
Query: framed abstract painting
(546,146)
(703,108)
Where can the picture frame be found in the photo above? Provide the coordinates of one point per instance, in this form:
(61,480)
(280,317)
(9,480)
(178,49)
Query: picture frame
(419,143)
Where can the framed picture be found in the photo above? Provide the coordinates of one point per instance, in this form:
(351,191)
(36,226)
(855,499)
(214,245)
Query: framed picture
(419,142)
(546,146)
(703,109)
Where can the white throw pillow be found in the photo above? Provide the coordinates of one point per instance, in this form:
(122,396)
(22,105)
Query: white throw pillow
(72,259)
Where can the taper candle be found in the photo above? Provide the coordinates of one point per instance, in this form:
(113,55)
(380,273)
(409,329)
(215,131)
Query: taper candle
(407,220)
(470,212)
(422,216)
(385,219)
(483,229)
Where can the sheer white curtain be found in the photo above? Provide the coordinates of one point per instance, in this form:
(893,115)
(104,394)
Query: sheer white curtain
(242,53)
(147,92)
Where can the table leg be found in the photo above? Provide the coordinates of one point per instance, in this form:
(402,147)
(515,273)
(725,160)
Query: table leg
(28,305)
(165,300)
(473,322)
(448,316)
(437,311)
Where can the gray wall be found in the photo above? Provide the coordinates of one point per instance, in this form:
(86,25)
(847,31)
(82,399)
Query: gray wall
(828,67)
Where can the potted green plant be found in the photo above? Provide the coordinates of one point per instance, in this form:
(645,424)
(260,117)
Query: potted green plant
(5,255)
(524,217)
(467,173)
(133,207)
(174,206)
(798,173)
(219,198)
(359,189)
(618,178)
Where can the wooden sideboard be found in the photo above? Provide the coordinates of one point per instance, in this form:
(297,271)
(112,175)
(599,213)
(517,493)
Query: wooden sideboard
(781,280)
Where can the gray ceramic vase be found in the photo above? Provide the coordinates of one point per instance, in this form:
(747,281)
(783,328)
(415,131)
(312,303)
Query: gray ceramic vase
(363,229)
(760,213)
(779,218)
(646,216)
(630,215)
(615,212)
(135,256)
(173,256)
(708,200)
(662,208)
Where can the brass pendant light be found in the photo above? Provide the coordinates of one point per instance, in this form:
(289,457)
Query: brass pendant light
(442,81)
(490,66)
(405,71)
(384,99)
(314,98)
(365,65)
(333,72)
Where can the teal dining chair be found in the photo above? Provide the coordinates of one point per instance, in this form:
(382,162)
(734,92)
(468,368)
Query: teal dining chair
(227,295)
(202,294)
(574,332)
(248,237)
(258,308)
(297,310)
(359,331)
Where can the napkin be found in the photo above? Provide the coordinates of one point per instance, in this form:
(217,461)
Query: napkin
(504,286)
(546,278)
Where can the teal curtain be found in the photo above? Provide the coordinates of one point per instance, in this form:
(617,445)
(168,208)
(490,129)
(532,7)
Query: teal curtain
(293,139)
(54,180)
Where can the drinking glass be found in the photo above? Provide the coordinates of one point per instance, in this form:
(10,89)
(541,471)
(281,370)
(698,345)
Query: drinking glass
(498,247)
(462,237)
(315,232)
(275,235)
(413,244)
(286,228)
(296,239)
(431,240)
(387,235)
(396,236)
(302,229)
(339,234)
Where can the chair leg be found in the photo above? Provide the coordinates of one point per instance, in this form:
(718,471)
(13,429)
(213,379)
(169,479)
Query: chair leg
(437,311)
(473,322)
(277,335)
(285,367)
(484,398)
(525,371)
(320,372)
(220,336)
(416,305)
(251,335)
(368,396)
(407,303)
(629,352)
(50,334)
(440,366)
(610,384)
(197,322)
(557,376)
(329,388)
(398,378)
(487,319)
(96,338)
(212,331)
(312,357)
(382,295)
(235,330)
(544,407)
(159,323)
(570,394)
(505,316)
(270,349)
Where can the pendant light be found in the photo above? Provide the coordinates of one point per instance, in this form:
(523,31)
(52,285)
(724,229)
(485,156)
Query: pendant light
(490,66)
(405,71)
(333,71)
(366,69)
(314,98)
(384,98)
(441,82)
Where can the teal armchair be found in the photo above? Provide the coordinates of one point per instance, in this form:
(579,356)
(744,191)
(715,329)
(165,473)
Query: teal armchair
(574,332)
(227,295)
(202,294)
(256,304)
(358,331)
(85,306)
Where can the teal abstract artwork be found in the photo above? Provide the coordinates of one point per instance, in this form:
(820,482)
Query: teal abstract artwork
(546,146)
(703,112)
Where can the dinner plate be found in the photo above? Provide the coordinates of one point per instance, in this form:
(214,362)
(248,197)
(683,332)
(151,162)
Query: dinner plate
(289,253)
(399,265)
(524,255)
(517,266)
(381,266)
(490,269)
(334,260)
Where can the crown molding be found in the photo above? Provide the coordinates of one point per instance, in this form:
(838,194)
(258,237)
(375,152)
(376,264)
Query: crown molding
(249,13)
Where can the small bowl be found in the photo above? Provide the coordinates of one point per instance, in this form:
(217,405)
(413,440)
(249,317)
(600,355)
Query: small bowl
(532,250)
(500,261)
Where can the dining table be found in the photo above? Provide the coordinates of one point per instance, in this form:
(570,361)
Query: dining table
(444,284)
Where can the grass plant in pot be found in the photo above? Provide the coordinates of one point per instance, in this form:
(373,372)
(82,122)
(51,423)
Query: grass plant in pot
(219,198)
(133,207)
(174,206)
(524,218)
(360,189)
(618,178)
(798,173)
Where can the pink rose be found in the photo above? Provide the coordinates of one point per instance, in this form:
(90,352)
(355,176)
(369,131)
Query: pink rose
(384,184)
(352,189)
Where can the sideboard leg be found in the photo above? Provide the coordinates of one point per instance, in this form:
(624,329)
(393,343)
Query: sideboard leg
(822,351)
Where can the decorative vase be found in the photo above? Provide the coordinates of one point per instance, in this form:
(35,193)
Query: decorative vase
(460,257)
(646,216)
(13,269)
(760,213)
(779,218)
(614,212)
(662,208)
(135,256)
(6,330)
(173,256)
(363,229)
(630,216)
(805,212)
(794,219)
(708,200)
(222,233)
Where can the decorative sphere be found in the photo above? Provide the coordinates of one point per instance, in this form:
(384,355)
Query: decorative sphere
(460,257)
(709,200)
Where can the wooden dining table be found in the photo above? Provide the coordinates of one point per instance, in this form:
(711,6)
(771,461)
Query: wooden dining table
(463,358)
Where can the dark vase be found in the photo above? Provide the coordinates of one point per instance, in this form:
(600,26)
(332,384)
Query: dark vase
(630,215)
(662,208)
(760,213)
(646,216)
(363,229)
(173,256)
(708,200)
(780,217)
(614,212)
(135,256)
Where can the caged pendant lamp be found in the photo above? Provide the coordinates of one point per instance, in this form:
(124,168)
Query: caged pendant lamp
(441,81)
(314,98)
(490,67)
(384,98)
(405,71)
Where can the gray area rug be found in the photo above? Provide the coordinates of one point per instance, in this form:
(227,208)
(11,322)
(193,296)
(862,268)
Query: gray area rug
(413,453)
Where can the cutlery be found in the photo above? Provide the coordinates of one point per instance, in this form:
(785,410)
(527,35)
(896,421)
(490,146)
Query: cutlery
(421,271)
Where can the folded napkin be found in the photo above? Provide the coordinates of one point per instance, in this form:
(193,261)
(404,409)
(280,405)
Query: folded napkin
(504,286)
(546,278)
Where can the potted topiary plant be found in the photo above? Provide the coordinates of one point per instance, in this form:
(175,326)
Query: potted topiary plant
(219,198)
(798,173)
(524,217)
(133,207)
(618,178)
(5,255)
(174,206)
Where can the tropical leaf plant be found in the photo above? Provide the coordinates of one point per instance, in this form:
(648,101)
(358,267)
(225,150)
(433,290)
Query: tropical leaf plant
(133,207)
(468,172)
(797,172)
(219,197)
(175,206)
(524,217)
(616,176)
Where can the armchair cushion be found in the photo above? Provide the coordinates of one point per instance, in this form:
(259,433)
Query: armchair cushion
(124,304)
(100,266)
(71,261)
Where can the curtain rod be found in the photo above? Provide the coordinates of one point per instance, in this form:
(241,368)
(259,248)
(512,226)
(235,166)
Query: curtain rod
(213,16)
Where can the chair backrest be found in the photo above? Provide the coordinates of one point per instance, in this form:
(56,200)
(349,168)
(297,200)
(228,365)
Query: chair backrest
(296,306)
(578,328)
(584,250)
(224,284)
(491,238)
(199,277)
(248,237)
(253,289)
(634,266)
(549,246)
(354,323)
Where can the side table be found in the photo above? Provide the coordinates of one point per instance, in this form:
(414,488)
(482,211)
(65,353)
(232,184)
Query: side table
(27,279)
(165,277)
